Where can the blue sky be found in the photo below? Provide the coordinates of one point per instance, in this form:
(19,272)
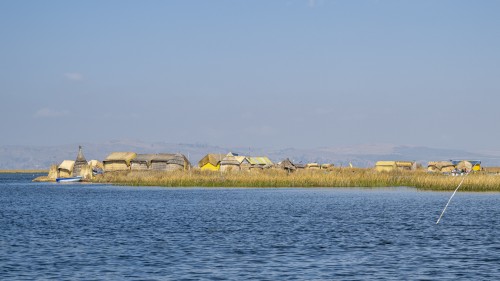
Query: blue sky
(251,73)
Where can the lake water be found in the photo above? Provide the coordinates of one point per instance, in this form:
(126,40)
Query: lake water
(101,232)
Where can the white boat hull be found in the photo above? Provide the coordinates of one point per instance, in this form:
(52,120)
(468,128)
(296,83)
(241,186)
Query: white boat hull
(73,179)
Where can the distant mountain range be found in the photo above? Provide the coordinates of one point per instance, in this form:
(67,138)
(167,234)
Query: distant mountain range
(41,157)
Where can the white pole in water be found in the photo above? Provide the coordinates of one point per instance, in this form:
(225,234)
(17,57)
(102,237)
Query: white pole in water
(442,213)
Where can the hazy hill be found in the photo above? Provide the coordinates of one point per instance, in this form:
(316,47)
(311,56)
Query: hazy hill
(41,157)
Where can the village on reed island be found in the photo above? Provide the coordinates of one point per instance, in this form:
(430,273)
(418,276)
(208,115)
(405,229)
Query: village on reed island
(233,163)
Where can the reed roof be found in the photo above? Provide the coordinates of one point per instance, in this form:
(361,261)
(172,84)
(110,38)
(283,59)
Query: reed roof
(121,156)
(385,163)
(261,161)
(169,158)
(96,164)
(233,159)
(299,165)
(143,158)
(473,162)
(440,164)
(229,160)
(241,159)
(80,159)
(163,157)
(467,164)
(66,165)
(287,164)
(211,158)
(404,163)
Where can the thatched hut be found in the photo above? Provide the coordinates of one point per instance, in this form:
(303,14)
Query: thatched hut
(261,162)
(385,166)
(244,164)
(467,165)
(96,164)
(141,162)
(81,166)
(440,166)
(313,166)
(170,162)
(327,166)
(65,169)
(432,167)
(388,166)
(211,162)
(287,165)
(118,161)
(96,167)
(234,162)
(406,165)
(300,166)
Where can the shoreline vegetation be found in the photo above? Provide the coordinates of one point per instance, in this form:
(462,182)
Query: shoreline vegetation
(24,171)
(337,177)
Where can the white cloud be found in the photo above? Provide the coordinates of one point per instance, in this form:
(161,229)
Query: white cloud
(73,76)
(49,113)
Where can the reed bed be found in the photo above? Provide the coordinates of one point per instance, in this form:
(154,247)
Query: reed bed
(339,177)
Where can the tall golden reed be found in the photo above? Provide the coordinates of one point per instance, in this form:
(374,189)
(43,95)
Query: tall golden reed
(338,177)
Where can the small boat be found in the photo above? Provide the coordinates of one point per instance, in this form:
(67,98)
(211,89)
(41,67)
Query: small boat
(72,179)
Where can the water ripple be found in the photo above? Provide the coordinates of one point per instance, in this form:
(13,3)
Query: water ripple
(80,232)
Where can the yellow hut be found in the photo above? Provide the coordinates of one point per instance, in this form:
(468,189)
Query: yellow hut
(211,162)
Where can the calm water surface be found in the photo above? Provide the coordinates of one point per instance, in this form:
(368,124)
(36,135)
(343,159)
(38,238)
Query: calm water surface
(96,232)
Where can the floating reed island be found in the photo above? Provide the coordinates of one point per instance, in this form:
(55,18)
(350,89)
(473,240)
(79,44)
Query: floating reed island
(234,170)
(336,177)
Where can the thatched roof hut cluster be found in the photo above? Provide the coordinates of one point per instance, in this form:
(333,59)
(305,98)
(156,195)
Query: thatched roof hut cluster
(123,161)
(454,165)
(388,166)
(440,166)
(289,166)
(74,168)
(233,162)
